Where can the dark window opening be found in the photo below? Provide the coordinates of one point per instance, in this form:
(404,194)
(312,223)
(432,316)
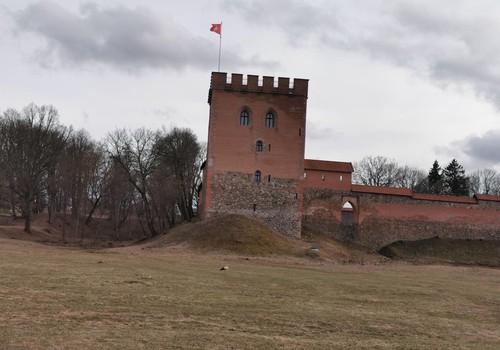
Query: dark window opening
(254,207)
(347,218)
(244,118)
(270,120)
(269,178)
(347,214)
(258,146)
(269,147)
(300,132)
(257,176)
(296,195)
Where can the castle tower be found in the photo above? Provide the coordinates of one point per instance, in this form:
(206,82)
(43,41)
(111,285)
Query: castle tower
(256,142)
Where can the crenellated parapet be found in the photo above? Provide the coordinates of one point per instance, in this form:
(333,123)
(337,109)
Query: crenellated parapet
(254,83)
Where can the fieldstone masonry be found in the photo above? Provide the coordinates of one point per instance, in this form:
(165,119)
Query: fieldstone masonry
(273,202)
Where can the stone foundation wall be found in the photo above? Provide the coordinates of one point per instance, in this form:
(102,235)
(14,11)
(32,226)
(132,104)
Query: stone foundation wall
(274,202)
(377,233)
(382,219)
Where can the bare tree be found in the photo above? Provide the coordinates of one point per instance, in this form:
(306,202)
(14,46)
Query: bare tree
(7,202)
(376,171)
(202,156)
(486,181)
(180,150)
(410,178)
(136,153)
(76,167)
(30,142)
(98,185)
(118,198)
(164,194)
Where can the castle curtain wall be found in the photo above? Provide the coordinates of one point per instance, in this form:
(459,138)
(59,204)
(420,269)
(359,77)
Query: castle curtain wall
(383,218)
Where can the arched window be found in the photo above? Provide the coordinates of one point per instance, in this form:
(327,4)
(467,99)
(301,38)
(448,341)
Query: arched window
(270,120)
(257,176)
(244,117)
(259,146)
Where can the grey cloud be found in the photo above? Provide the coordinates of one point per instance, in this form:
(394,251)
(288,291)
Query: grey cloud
(442,42)
(475,151)
(129,39)
(456,50)
(298,19)
(485,147)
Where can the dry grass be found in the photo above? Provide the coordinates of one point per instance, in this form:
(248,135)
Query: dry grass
(244,237)
(450,251)
(231,233)
(63,298)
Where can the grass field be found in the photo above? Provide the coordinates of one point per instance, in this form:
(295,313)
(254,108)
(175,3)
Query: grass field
(62,298)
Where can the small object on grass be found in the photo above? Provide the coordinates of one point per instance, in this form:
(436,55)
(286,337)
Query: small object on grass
(314,249)
(100,262)
(224,268)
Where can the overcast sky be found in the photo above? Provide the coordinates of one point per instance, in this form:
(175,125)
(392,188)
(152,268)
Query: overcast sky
(410,80)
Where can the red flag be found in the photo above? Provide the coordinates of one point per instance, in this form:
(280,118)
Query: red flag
(216,28)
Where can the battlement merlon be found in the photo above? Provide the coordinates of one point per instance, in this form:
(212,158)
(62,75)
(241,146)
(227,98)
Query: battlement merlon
(235,82)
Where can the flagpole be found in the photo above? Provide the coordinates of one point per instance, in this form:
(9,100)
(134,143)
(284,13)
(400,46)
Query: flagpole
(220,44)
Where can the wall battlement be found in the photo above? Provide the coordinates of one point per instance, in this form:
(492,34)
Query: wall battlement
(254,83)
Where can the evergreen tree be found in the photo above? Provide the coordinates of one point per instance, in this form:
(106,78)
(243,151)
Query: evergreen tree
(435,179)
(455,180)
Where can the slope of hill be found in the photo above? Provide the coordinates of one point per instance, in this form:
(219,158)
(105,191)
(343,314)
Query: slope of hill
(448,251)
(236,235)
(243,236)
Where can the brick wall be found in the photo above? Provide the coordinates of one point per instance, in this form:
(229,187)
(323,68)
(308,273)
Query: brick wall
(381,219)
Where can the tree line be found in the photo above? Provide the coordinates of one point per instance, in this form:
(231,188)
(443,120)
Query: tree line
(450,180)
(152,175)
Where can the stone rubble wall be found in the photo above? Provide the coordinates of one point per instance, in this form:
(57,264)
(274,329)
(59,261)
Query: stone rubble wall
(275,202)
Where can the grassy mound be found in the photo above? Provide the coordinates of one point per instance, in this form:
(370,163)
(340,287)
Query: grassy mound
(231,233)
(241,235)
(441,250)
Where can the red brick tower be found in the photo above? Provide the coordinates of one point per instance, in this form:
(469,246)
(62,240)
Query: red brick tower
(255,158)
